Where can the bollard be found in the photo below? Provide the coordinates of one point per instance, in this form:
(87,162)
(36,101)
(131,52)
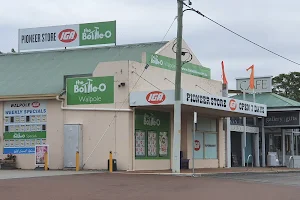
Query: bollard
(77,161)
(110,162)
(46,161)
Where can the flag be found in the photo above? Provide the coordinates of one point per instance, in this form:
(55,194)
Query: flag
(223,74)
(251,82)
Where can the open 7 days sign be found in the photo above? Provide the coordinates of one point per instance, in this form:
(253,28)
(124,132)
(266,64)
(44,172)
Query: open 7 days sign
(224,103)
(90,90)
(67,36)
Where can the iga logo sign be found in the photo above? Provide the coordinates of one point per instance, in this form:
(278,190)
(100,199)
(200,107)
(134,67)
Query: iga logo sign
(67,35)
(232,104)
(35,104)
(156,97)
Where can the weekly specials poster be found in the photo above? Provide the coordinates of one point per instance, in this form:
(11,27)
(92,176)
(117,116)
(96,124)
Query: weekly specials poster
(25,125)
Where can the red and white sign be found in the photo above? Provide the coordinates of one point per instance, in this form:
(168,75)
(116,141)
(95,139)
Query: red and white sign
(229,105)
(35,104)
(197,145)
(67,35)
(152,98)
(155,97)
(232,104)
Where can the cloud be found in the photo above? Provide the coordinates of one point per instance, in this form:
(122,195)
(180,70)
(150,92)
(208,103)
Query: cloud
(272,24)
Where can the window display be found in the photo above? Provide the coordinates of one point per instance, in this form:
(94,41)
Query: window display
(155,127)
(163,144)
(152,148)
(140,147)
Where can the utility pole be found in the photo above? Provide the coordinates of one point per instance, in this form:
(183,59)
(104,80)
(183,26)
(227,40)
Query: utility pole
(177,104)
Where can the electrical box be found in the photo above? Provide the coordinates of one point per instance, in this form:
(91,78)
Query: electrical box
(73,142)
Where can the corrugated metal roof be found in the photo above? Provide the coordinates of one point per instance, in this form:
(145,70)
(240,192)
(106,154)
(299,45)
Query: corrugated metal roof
(269,99)
(43,72)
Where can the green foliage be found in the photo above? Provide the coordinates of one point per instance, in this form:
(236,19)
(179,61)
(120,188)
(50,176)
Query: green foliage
(13,50)
(287,85)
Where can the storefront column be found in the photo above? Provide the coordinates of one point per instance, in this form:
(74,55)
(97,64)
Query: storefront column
(292,143)
(243,143)
(283,146)
(263,143)
(228,143)
(256,150)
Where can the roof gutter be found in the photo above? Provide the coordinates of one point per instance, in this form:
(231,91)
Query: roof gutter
(59,98)
(28,97)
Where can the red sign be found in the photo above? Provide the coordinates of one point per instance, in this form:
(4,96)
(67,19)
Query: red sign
(197,145)
(35,104)
(155,97)
(67,35)
(232,104)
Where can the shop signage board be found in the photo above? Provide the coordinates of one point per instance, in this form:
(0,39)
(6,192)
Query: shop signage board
(223,103)
(24,126)
(170,64)
(282,119)
(67,36)
(200,100)
(90,90)
(144,98)
(261,84)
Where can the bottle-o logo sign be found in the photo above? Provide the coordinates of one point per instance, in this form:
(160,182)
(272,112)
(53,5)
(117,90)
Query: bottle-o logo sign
(232,104)
(155,97)
(67,35)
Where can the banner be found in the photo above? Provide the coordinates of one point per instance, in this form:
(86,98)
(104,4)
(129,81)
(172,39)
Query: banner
(67,36)
(170,64)
(25,124)
(40,151)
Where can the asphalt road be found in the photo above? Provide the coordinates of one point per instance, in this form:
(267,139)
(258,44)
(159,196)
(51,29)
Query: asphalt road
(147,187)
(287,179)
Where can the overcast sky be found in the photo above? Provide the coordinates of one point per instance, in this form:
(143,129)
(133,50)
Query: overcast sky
(273,24)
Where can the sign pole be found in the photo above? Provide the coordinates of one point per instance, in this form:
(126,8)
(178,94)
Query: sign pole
(194,136)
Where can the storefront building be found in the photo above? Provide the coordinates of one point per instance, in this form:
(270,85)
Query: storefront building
(115,98)
(278,132)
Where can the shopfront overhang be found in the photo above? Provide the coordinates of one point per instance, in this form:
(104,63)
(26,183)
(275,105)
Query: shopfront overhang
(195,102)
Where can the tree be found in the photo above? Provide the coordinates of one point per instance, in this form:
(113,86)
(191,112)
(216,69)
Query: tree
(287,85)
(13,50)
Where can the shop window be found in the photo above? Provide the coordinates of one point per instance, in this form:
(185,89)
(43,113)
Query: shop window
(151,144)
(206,146)
(152,138)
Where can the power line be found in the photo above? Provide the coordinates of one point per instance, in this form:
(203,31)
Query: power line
(260,46)
(169,29)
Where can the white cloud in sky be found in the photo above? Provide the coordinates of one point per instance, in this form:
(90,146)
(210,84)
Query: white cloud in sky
(273,24)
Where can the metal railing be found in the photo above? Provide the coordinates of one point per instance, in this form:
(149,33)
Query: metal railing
(291,158)
(250,156)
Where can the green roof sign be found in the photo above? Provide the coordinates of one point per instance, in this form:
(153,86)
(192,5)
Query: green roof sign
(90,90)
(170,64)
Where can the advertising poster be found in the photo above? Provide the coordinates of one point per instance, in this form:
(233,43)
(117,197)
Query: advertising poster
(163,144)
(25,125)
(40,151)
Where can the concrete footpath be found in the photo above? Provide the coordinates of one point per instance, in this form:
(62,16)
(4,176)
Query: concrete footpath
(216,171)
(14,174)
